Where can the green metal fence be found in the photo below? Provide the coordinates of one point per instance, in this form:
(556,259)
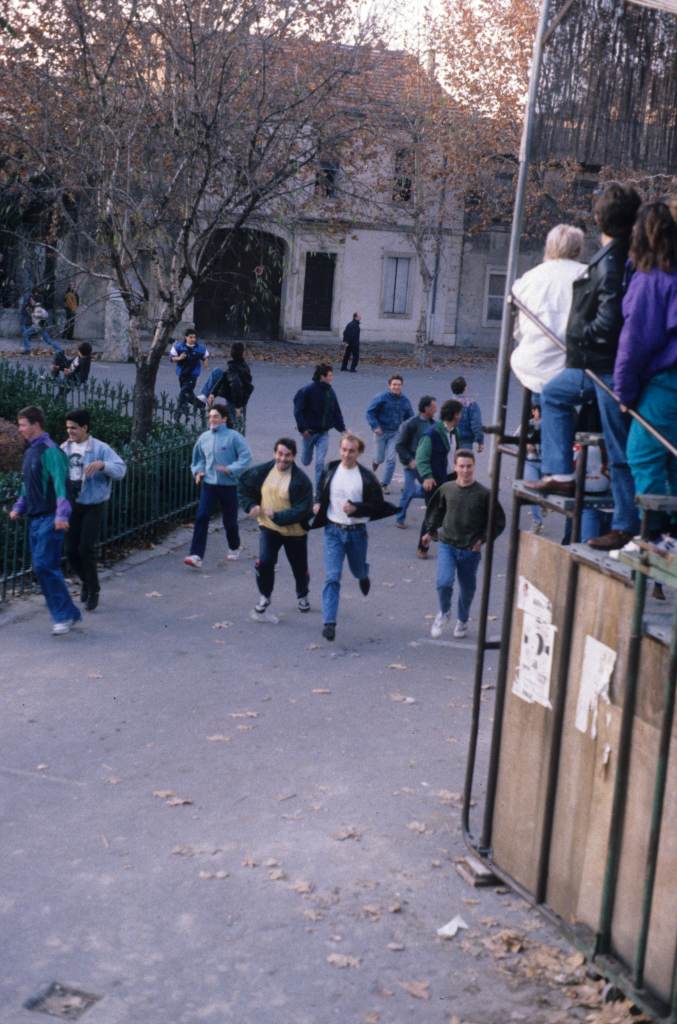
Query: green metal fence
(157,491)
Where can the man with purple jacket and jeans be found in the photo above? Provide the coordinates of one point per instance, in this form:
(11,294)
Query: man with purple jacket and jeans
(592,334)
(44,500)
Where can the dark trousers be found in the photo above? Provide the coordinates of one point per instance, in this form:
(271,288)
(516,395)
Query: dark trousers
(296,550)
(69,326)
(188,397)
(81,540)
(352,349)
(211,496)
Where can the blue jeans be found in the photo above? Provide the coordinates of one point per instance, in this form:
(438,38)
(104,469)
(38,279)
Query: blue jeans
(46,550)
(453,561)
(385,452)
(559,397)
(211,382)
(211,495)
(654,469)
(317,443)
(339,544)
(31,332)
(412,489)
(532,471)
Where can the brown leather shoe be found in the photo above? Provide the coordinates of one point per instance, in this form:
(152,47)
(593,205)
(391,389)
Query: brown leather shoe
(563,488)
(611,541)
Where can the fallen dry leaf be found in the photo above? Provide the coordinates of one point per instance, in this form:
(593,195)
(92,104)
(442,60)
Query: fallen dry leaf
(222,625)
(401,698)
(371,911)
(163,794)
(183,851)
(435,863)
(213,874)
(285,796)
(342,960)
(270,862)
(451,928)
(244,714)
(113,781)
(41,767)
(395,908)
(245,728)
(395,947)
(321,691)
(218,737)
(249,863)
(387,584)
(448,796)
(301,887)
(313,915)
(94,675)
(178,801)
(371,1018)
(313,647)
(154,593)
(417,989)
(398,665)
(277,875)
(416,826)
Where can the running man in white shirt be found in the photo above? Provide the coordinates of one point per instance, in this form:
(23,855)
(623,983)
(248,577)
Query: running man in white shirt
(350,496)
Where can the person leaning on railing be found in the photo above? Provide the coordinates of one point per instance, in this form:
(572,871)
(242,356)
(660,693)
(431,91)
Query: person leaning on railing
(645,374)
(592,333)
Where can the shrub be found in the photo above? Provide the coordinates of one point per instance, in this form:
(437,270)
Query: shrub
(11,447)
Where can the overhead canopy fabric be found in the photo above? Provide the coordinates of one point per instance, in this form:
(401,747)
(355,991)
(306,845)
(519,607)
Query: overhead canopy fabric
(608,86)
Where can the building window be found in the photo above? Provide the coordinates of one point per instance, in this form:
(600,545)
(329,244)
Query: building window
(396,285)
(326,178)
(493,297)
(403,176)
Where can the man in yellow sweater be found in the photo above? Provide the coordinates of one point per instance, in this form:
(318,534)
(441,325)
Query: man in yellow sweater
(279,496)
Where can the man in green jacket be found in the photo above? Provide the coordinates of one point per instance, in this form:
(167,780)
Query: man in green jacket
(458,516)
(279,496)
(432,456)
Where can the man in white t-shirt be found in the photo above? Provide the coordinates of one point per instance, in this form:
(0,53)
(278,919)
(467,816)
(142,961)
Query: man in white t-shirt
(350,496)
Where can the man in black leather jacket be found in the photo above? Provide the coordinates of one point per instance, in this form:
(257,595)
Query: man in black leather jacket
(593,328)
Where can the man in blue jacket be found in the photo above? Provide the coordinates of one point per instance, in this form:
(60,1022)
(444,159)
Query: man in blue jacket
(219,456)
(316,411)
(190,358)
(385,415)
(92,466)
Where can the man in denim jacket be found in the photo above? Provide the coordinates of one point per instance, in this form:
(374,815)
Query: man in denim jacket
(92,467)
(385,415)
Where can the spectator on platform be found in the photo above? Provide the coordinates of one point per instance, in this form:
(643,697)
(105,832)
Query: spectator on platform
(645,373)
(592,333)
(546,290)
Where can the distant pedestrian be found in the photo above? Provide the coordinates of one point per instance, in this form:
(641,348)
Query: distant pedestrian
(71,302)
(349,496)
(457,517)
(317,411)
(469,428)
(219,456)
(351,339)
(280,496)
(44,499)
(432,457)
(92,466)
(74,369)
(411,432)
(190,358)
(38,324)
(235,386)
(385,415)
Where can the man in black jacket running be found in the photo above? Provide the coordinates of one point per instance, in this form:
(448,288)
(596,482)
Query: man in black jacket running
(351,339)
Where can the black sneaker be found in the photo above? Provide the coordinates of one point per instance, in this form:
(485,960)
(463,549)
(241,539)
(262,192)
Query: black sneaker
(365,585)
(92,602)
(375,466)
(84,595)
(329,631)
(303,604)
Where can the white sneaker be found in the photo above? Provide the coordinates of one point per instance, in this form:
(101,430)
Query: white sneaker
(194,561)
(460,629)
(263,616)
(233,556)
(439,622)
(61,628)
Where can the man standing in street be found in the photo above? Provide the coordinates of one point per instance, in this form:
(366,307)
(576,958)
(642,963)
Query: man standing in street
(44,500)
(316,411)
(349,496)
(190,358)
(219,456)
(92,466)
(411,432)
(279,496)
(351,339)
(385,414)
(458,516)
(432,457)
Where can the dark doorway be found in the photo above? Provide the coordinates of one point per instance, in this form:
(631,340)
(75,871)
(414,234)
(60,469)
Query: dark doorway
(318,291)
(241,296)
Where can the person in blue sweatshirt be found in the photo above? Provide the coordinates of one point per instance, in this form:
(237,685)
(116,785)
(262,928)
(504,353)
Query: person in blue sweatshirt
(190,358)
(219,456)
(44,499)
(385,415)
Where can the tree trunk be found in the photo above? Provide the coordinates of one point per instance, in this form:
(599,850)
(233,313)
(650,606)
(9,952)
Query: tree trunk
(144,400)
(422,328)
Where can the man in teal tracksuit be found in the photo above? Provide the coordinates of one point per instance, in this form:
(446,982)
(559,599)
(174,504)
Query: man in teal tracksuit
(432,456)
(44,499)
(219,455)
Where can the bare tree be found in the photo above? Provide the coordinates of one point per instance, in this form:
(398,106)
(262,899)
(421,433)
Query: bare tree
(161,128)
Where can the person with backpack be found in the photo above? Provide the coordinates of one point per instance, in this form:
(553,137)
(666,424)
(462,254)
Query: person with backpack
(235,386)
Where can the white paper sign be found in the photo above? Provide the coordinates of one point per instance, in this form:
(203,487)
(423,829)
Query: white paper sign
(532,601)
(596,671)
(534,668)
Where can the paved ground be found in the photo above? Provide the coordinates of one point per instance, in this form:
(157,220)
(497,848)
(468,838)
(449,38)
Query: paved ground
(209,819)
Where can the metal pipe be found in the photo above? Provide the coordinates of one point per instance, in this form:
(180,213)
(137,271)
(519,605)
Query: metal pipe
(597,381)
(579,494)
(658,803)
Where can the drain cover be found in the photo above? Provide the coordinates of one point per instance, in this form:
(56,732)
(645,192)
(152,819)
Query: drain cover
(61,1001)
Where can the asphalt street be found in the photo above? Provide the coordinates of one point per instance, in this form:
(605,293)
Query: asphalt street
(207,818)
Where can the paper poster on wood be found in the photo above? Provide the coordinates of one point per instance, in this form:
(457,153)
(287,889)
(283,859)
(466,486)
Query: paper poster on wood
(534,668)
(596,671)
(532,601)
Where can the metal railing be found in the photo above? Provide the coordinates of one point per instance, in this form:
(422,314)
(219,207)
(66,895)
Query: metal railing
(157,491)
